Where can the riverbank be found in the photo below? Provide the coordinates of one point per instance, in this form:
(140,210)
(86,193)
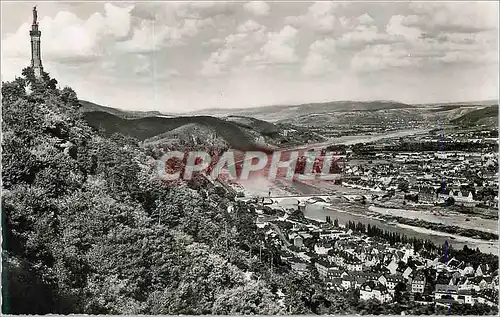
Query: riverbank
(414,221)
(439,220)
(344,215)
(456,230)
(487,247)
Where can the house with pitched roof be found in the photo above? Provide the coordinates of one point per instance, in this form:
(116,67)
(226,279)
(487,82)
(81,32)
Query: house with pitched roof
(393,266)
(322,248)
(407,272)
(371,260)
(486,297)
(393,280)
(358,281)
(298,240)
(299,267)
(325,268)
(374,290)
(418,283)
(468,270)
(483,282)
(444,291)
(354,265)
(481,270)
(334,283)
(348,281)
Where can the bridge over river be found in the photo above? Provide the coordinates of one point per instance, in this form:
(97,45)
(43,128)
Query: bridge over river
(278,199)
(345,211)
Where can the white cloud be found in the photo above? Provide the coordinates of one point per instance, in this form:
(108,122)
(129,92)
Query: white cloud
(68,37)
(456,16)
(381,56)
(238,46)
(145,38)
(320,17)
(397,27)
(117,19)
(323,24)
(248,37)
(365,19)
(249,26)
(214,41)
(316,64)
(469,57)
(325,47)
(279,48)
(322,7)
(142,65)
(362,35)
(258,8)
(197,9)
(221,56)
(210,69)
(153,35)
(252,41)
(349,23)
(318,60)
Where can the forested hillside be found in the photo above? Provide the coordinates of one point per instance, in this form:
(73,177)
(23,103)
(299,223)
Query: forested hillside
(87,228)
(486,115)
(150,127)
(87,106)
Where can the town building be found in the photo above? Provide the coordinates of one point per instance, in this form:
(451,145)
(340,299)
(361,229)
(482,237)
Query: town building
(374,290)
(418,283)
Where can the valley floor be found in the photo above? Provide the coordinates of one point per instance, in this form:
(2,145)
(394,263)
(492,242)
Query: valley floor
(369,213)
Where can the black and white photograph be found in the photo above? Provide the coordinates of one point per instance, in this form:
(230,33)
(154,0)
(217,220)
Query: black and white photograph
(250,157)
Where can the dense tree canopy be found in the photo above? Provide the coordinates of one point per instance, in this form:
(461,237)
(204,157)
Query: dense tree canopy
(90,229)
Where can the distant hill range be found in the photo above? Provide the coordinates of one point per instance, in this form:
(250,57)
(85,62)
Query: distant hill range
(87,106)
(483,116)
(280,112)
(244,129)
(261,126)
(490,102)
(345,112)
(146,128)
(191,132)
(154,126)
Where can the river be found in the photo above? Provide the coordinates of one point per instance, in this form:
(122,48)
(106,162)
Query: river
(363,138)
(348,140)
(318,212)
(447,218)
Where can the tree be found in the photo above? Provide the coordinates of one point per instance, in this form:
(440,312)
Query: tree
(403,185)
(450,201)
(251,299)
(400,294)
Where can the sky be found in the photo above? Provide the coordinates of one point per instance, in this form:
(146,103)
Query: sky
(187,56)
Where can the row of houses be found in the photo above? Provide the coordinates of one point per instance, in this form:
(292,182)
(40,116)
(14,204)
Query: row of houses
(424,172)
(344,260)
(446,294)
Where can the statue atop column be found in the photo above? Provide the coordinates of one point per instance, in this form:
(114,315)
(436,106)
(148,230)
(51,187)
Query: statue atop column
(35,15)
(36,56)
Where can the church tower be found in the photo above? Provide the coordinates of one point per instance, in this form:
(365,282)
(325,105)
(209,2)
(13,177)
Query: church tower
(36,58)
